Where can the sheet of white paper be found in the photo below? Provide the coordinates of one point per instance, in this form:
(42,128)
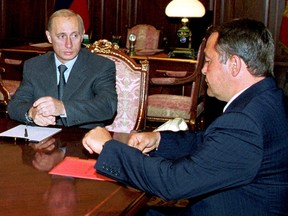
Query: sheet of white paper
(35,133)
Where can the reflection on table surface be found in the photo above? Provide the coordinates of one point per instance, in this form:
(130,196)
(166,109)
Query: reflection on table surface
(27,189)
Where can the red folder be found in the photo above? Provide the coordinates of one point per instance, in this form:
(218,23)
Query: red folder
(79,168)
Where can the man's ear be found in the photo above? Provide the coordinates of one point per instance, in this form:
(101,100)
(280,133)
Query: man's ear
(82,36)
(235,64)
(48,36)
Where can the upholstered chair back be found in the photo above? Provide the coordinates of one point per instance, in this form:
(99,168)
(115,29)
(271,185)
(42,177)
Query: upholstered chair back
(131,87)
(147,37)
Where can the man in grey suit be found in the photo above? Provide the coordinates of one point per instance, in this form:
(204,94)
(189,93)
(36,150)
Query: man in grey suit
(238,166)
(89,97)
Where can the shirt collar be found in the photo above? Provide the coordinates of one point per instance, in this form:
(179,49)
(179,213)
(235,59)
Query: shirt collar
(68,64)
(233,98)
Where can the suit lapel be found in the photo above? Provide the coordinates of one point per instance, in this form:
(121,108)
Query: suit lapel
(76,77)
(49,78)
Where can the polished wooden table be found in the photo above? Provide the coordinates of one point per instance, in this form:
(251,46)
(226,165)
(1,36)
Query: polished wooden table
(26,188)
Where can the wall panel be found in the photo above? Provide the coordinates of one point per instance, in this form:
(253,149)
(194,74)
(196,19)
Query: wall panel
(268,11)
(24,21)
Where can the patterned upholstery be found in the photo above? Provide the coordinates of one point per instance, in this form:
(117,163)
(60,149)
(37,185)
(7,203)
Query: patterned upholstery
(147,37)
(163,107)
(131,86)
(171,106)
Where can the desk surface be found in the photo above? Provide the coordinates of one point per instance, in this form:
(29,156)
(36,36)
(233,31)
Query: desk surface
(39,48)
(163,57)
(27,190)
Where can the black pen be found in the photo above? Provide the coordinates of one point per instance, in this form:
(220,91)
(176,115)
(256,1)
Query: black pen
(25,132)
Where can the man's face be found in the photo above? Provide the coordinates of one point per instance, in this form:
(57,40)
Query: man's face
(65,37)
(217,73)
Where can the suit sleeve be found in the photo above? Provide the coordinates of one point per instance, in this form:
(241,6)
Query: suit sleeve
(229,156)
(177,144)
(24,97)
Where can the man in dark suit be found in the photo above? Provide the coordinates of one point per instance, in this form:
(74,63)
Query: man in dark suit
(239,165)
(89,97)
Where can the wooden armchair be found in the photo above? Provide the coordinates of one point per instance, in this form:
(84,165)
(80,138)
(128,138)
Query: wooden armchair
(163,107)
(131,86)
(147,37)
(4,96)
(11,82)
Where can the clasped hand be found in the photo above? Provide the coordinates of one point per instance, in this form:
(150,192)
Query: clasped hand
(96,138)
(45,110)
(145,141)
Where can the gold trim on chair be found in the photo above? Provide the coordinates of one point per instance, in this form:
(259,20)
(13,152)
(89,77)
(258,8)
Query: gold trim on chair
(102,46)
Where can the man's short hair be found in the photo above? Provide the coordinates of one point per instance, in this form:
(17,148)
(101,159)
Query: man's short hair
(251,41)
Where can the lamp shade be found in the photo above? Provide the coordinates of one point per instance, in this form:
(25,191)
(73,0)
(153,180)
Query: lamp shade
(185,8)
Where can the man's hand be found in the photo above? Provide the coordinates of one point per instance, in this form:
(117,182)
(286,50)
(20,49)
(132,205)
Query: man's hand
(49,106)
(145,142)
(45,110)
(41,120)
(95,139)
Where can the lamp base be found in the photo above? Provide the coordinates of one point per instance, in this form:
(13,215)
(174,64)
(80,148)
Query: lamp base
(182,53)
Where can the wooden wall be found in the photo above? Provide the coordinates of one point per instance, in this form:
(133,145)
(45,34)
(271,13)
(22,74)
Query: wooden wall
(24,21)
(114,17)
(268,11)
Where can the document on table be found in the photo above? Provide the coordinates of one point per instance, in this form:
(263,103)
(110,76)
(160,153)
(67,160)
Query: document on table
(30,133)
(79,168)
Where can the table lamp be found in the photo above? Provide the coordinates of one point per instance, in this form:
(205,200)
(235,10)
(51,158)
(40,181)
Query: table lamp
(184,9)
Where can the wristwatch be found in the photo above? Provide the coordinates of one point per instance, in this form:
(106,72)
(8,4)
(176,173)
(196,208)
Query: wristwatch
(28,118)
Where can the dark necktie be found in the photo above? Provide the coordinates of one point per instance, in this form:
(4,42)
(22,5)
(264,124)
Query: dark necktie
(62,68)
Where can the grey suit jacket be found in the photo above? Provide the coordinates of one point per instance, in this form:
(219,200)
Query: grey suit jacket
(238,166)
(90,97)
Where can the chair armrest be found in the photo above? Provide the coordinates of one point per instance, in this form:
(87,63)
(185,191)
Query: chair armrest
(163,81)
(13,61)
(173,80)
(173,73)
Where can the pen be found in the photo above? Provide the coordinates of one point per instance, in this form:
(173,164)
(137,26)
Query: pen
(25,132)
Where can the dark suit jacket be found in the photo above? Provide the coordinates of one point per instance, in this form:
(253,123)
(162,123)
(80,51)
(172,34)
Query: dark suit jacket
(238,166)
(90,96)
